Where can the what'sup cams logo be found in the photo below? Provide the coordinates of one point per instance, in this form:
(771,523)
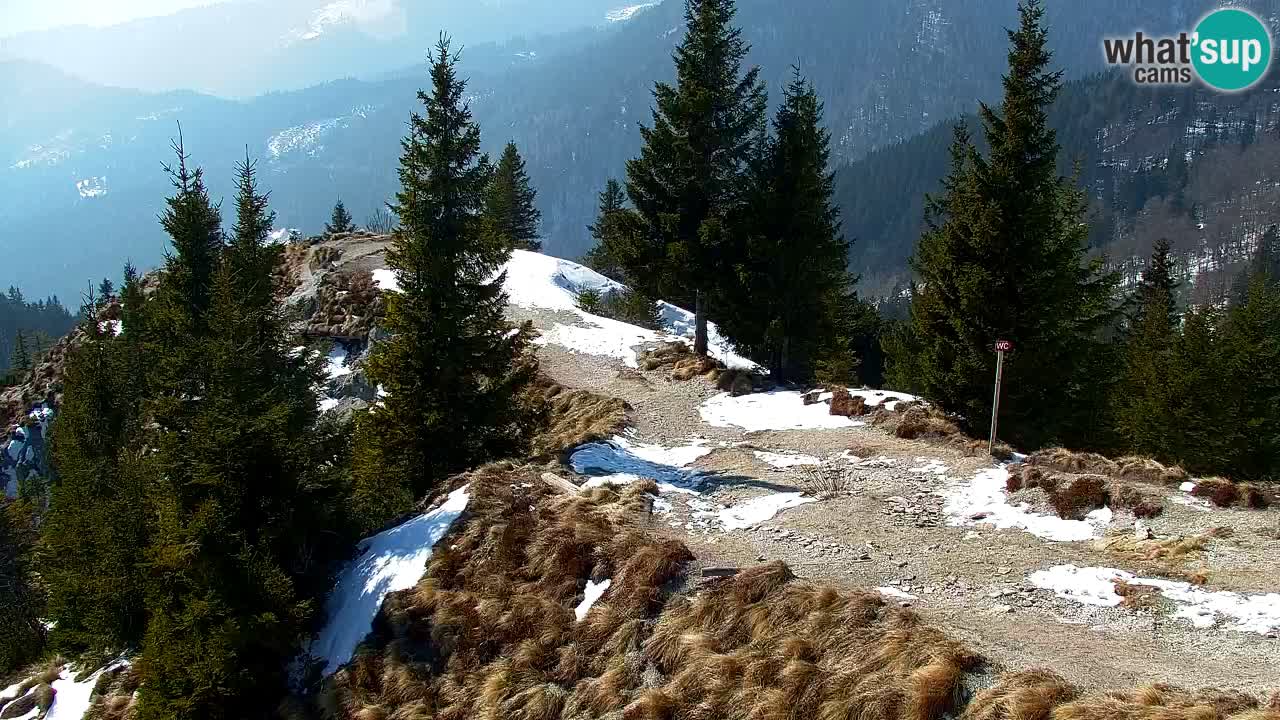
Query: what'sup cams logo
(1229,50)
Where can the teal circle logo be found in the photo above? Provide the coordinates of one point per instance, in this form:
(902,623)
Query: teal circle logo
(1231,49)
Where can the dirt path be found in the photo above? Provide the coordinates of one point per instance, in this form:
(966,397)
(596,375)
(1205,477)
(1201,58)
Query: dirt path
(886,528)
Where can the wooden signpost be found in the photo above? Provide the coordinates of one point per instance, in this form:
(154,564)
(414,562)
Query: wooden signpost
(1002,347)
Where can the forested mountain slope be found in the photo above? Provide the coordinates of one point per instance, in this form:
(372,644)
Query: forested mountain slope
(87,186)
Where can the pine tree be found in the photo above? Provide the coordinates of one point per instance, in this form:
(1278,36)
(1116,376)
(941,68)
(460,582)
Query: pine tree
(106,290)
(689,179)
(1004,256)
(241,534)
(1145,394)
(340,221)
(619,252)
(95,528)
(20,360)
(21,630)
(1250,351)
(1201,433)
(509,203)
(794,284)
(452,366)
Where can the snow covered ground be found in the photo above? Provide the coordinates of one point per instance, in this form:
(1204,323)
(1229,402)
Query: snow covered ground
(983,500)
(392,560)
(786,460)
(779,410)
(1203,608)
(590,596)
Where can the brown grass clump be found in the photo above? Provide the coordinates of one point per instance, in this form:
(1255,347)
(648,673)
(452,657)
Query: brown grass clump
(1025,695)
(1131,498)
(1136,597)
(1224,493)
(845,404)
(1164,556)
(1142,469)
(736,382)
(20,707)
(1078,497)
(1163,702)
(573,417)
(921,421)
(1066,461)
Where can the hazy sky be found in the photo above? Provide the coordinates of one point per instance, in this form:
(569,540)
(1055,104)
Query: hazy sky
(17,16)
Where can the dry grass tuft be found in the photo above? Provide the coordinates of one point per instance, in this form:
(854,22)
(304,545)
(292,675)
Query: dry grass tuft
(924,421)
(1163,702)
(1140,469)
(1224,493)
(1137,597)
(844,403)
(1167,556)
(824,481)
(573,417)
(1075,498)
(1066,461)
(1025,695)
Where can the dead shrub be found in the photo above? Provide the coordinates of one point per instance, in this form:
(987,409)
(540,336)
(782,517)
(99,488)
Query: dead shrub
(824,481)
(925,422)
(846,404)
(1136,597)
(1080,496)
(664,355)
(1140,469)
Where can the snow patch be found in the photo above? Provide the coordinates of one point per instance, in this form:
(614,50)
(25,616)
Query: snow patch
(92,187)
(281,236)
(876,398)
(392,560)
(760,509)
(1096,586)
(896,593)
(71,699)
(623,14)
(931,466)
(786,460)
(335,365)
(780,410)
(1187,487)
(386,280)
(983,500)
(115,327)
(590,596)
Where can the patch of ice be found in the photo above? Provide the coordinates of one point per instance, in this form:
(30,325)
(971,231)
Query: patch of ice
(662,506)
(1259,613)
(590,596)
(779,410)
(336,362)
(392,560)
(933,466)
(621,461)
(758,510)
(896,593)
(983,500)
(786,460)
(386,280)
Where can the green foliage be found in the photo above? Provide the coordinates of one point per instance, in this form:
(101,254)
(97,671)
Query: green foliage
(510,208)
(1005,257)
(20,360)
(94,532)
(1250,357)
(619,251)
(453,366)
(339,221)
(630,306)
(690,176)
(588,300)
(33,320)
(793,299)
(1145,394)
(21,631)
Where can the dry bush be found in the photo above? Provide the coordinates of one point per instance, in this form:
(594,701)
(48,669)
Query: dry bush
(347,306)
(1001,452)
(1066,461)
(845,404)
(114,695)
(1025,695)
(1078,497)
(573,417)
(823,481)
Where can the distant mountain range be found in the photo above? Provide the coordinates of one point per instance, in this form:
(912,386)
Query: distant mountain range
(80,163)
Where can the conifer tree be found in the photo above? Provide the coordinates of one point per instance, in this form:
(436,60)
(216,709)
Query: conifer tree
(20,361)
(238,557)
(509,203)
(340,221)
(106,290)
(794,282)
(1250,351)
(1200,432)
(1145,394)
(21,629)
(689,179)
(1004,256)
(452,366)
(95,529)
(618,253)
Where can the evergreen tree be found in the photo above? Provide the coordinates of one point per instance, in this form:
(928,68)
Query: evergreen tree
(244,539)
(1251,356)
(95,529)
(794,286)
(1145,394)
(509,203)
(452,366)
(1201,433)
(21,629)
(689,179)
(618,252)
(20,360)
(340,221)
(106,290)
(1004,256)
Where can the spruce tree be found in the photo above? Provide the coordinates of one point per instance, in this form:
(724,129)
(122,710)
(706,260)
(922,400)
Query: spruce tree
(509,203)
(1004,256)
(240,553)
(340,221)
(452,366)
(1145,395)
(617,252)
(106,290)
(95,529)
(20,360)
(794,282)
(1250,350)
(21,629)
(689,179)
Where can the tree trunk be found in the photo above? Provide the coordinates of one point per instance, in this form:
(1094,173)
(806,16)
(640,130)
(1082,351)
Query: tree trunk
(700,325)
